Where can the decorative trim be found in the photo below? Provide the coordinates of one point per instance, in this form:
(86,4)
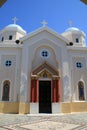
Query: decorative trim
(44,66)
(55,77)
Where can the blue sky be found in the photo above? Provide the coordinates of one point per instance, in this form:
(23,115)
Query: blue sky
(56,12)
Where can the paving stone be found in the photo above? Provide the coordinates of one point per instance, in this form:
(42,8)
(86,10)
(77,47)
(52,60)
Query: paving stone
(75,121)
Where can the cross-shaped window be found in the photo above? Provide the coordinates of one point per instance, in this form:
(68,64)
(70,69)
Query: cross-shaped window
(44,53)
(8,63)
(79,65)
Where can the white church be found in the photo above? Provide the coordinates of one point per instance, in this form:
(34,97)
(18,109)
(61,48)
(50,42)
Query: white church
(42,71)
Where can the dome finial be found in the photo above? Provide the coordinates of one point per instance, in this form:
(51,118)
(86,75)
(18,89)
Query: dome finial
(15,20)
(70,23)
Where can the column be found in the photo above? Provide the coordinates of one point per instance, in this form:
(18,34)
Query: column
(55,90)
(34,90)
(58,90)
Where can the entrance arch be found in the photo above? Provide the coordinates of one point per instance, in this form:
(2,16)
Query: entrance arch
(45,91)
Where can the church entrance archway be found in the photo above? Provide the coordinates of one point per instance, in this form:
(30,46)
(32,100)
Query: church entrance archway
(45,89)
(45,97)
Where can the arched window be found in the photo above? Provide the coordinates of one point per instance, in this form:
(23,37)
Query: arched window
(81,90)
(10,37)
(6,90)
(2,39)
(77,40)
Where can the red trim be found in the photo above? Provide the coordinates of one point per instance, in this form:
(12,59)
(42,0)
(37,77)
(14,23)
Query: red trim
(58,90)
(34,90)
(55,90)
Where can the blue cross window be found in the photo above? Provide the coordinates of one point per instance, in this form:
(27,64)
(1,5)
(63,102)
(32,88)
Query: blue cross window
(8,63)
(79,65)
(45,53)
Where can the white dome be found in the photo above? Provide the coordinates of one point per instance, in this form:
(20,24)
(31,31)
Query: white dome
(72,29)
(15,26)
(75,30)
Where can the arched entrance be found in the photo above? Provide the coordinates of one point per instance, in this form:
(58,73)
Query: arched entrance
(45,88)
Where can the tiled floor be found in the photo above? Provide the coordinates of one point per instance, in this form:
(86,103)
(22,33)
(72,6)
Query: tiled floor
(76,121)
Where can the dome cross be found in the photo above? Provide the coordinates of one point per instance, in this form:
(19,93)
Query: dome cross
(70,23)
(15,20)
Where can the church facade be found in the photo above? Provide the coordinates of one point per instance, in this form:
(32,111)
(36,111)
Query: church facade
(42,71)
